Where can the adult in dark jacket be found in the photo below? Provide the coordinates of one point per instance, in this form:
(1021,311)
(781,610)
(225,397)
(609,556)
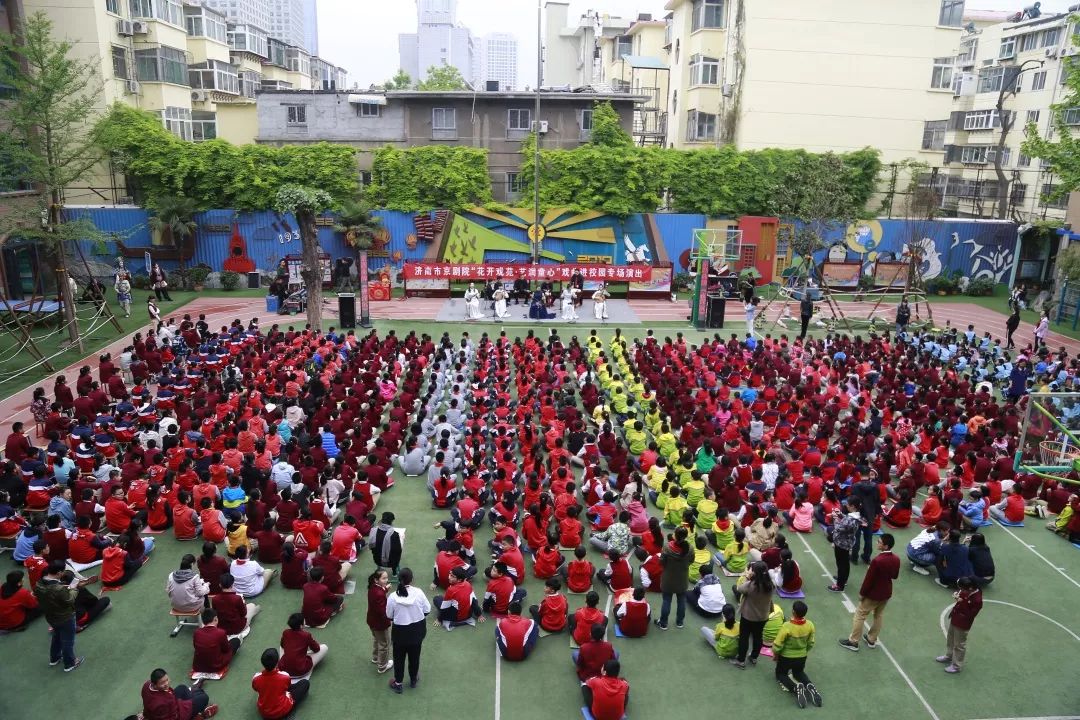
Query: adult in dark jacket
(903,315)
(385,544)
(755,588)
(163,702)
(868,498)
(982,562)
(675,577)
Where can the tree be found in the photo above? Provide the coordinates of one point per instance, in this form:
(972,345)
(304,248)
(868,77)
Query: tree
(174,220)
(1063,153)
(400,81)
(50,118)
(443,77)
(607,130)
(306,203)
(359,226)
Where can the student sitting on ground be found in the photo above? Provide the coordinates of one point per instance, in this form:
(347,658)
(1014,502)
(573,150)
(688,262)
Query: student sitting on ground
(735,556)
(633,614)
(278,694)
(234,615)
(584,618)
(982,562)
(578,573)
(618,575)
(786,575)
(250,577)
(118,568)
(547,561)
(319,604)
(500,590)
(953,562)
(724,638)
(516,636)
(607,695)
(213,648)
(18,606)
(924,548)
(707,595)
(458,605)
(899,515)
(589,659)
(551,612)
(160,701)
(300,652)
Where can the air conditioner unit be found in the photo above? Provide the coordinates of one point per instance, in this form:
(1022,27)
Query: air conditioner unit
(140,28)
(199,96)
(1067,51)
(1051,52)
(540,126)
(727,89)
(133,87)
(124,28)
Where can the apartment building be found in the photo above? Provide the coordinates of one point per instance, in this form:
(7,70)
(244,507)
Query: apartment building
(829,75)
(496,121)
(572,45)
(499,61)
(439,40)
(638,62)
(183,61)
(1024,64)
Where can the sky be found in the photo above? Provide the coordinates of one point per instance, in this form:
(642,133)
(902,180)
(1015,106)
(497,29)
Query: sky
(361,35)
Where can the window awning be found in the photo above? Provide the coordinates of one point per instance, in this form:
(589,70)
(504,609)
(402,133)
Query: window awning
(367,99)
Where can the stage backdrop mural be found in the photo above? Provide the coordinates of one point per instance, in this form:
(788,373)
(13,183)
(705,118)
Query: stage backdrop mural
(245,241)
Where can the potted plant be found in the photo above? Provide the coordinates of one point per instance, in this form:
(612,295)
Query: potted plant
(198,277)
(230,280)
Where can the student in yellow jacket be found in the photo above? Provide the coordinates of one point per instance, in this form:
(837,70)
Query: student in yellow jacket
(724,638)
(790,648)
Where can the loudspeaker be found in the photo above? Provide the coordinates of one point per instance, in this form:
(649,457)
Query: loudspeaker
(346,310)
(714,317)
(254,280)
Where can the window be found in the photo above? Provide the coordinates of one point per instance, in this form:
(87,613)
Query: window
(515,183)
(585,120)
(941,79)
(1023,160)
(952,13)
(990,79)
(1071,116)
(1007,49)
(177,121)
(1048,201)
(1050,37)
(1038,80)
(1029,42)
(245,38)
(518,123)
(296,114)
(704,70)
(982,120)
(444,124)
(169,11)
(112,6)
(968,49)
(120,63)
(974,154)
(933,137)
(1033,116)
(368,110)
(707,14)
(250,82)
(203,126)
(1018,193)
(297,60)
(700,127)
(621,45)
(214,75)
(162,64)
(206,26)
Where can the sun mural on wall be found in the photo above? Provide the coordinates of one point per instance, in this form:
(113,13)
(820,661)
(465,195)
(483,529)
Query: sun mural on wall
(467,241)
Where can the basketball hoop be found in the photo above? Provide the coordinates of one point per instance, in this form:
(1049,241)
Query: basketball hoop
(1056,452)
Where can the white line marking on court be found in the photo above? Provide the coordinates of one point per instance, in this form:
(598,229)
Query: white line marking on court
(607,611)
(945,614)
(847,603)
(1039,555)
(498,683)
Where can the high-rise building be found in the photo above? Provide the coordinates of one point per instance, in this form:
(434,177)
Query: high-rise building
(311,27)
(287,22)
(499,60)
(438,41)
(244,12)
(571,47)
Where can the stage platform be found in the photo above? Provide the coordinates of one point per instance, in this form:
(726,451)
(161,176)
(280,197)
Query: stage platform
(619,313)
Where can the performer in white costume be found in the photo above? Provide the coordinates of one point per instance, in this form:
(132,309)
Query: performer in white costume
(501,296)
(568,312)
(472,303)
(600,303)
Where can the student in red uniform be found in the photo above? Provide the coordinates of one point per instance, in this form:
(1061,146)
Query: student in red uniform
(185,519)
(162,702)
(516,636)
(300,652)
(118,513)
(319,604)
(500,590)
(212,521)
(18,606)
(583,619)
(117,567)
(551,612)
(590,658)
(618,575)
(511,557)
(547,561)
(632,615)
(578,573)
(345,540)
(458,606)
(607,695)
(278,694)
(213,648)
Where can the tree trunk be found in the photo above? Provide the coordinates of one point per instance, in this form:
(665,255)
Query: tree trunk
(312,270)
(67,298)
(1002,210)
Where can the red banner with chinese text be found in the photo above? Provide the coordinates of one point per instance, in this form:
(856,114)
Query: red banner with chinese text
(511,271)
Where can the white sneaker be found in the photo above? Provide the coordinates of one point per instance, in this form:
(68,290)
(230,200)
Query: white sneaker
(386,667)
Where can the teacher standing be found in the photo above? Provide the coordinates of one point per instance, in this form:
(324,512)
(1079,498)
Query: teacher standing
(407,607)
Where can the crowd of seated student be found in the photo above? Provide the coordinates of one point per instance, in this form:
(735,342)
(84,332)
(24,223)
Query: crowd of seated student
(732,442)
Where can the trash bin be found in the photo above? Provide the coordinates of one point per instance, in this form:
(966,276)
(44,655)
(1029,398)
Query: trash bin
(271,303)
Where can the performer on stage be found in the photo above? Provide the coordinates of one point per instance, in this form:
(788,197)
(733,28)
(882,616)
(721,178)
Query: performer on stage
(537,309)
(577,282)
(501,296)
(569,299)
(600,303)
(521,291)
(472,303)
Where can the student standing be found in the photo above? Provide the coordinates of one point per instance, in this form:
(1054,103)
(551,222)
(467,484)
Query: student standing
(406,608)
(806,312)
(378,623)
(844,532)
(874,595)
(968,604)
(1011,326)
(790,648)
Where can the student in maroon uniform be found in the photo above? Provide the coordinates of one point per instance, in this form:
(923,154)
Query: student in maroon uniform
(590,658)
(874,594)
(212,566)
(234,615)
(269,542)
(300,652)
(607,695)
(161,701)
(213,648)
(551,612)
(516,636)
(278,694)
(320,604)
